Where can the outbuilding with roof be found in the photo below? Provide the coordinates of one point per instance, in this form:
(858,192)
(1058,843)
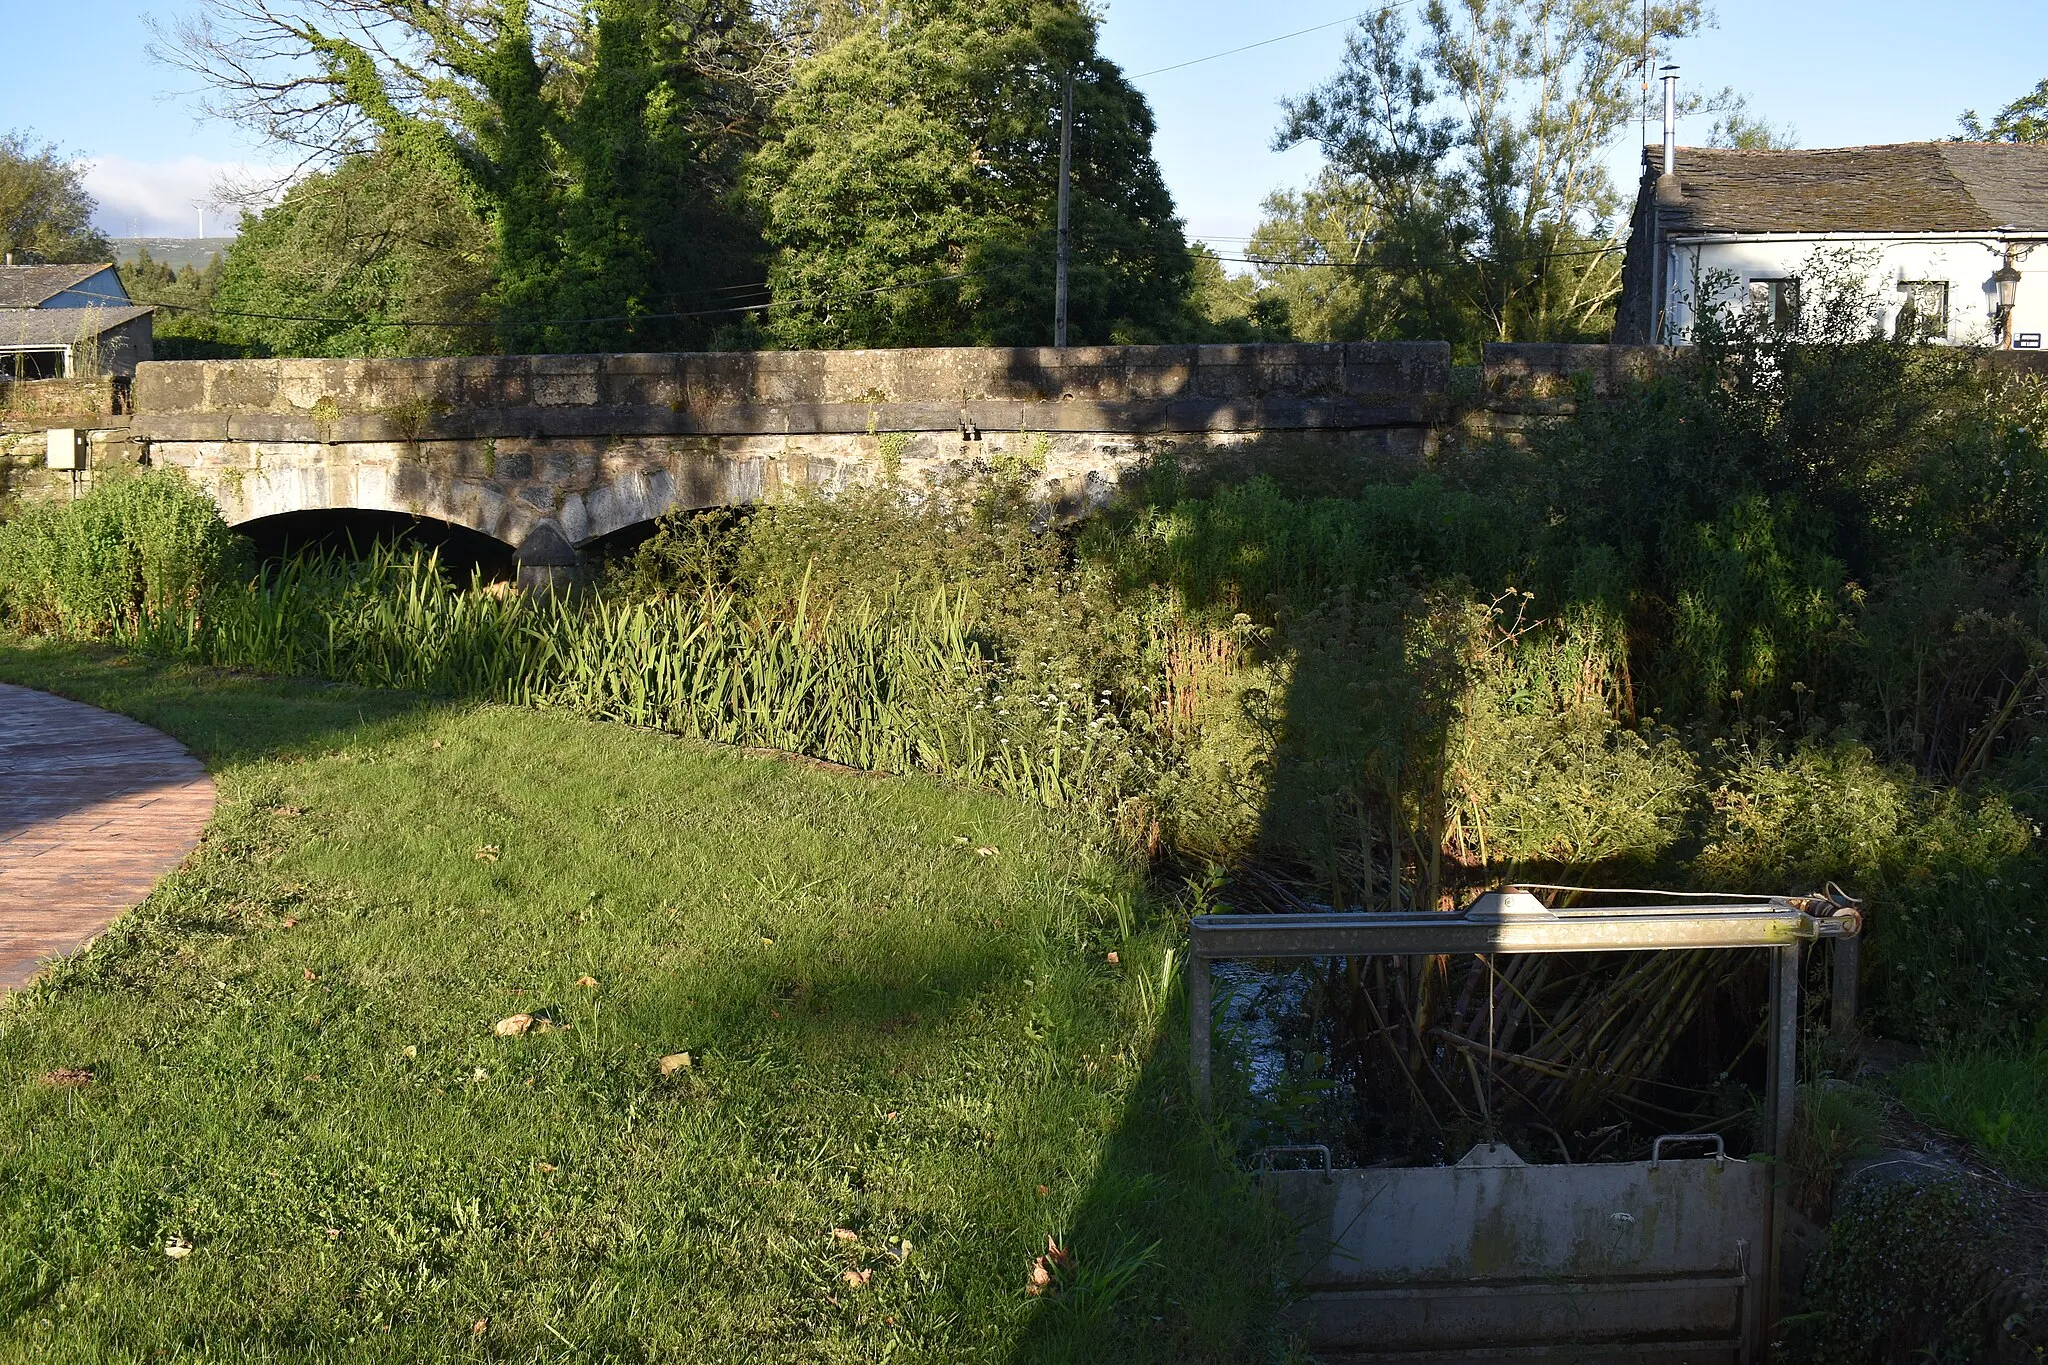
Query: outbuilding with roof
(69,321)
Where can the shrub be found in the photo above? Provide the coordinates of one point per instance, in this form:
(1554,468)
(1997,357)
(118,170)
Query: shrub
(130,552)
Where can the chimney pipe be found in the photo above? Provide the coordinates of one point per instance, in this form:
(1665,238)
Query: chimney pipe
(1669,74)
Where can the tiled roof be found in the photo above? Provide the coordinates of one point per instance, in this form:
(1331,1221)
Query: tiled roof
(1903,187)
(61,326)
(29,286)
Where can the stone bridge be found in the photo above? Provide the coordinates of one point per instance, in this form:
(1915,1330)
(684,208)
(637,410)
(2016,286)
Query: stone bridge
(550,453)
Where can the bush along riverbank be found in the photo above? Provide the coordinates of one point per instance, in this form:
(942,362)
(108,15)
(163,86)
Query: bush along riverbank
(1770,619)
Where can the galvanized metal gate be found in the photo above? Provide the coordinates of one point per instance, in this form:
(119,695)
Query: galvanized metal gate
(1669,1260)
(1641,1261)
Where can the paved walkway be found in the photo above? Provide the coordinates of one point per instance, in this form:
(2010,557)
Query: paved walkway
(94,808)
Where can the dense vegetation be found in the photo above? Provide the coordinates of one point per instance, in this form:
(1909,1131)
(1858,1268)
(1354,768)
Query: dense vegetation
(1771,619)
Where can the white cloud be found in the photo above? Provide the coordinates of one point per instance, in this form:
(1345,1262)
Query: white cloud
(165,198)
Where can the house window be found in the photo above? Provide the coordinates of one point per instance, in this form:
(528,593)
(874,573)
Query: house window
(32,364)
(1924,313)
(1775,301)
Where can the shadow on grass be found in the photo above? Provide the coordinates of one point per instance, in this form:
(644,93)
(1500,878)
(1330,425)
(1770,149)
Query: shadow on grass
(1173,1251)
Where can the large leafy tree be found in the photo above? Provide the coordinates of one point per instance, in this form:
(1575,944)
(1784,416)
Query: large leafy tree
(599,146)
(45,212)
(1466,158)
(908,185)
(353,259)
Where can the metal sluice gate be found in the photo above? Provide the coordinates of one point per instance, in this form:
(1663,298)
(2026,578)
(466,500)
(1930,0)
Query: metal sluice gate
(1676,1259)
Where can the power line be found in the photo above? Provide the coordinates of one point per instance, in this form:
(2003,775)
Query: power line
(1418,265)
(1268,42)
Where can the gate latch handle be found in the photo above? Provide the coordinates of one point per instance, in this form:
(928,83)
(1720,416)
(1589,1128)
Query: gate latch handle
(1720,1147)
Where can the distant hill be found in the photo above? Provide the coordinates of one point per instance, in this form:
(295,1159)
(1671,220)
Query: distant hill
(175,252)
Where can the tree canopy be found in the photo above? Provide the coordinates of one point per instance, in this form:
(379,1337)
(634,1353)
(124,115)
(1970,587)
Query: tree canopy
(1466,195)
(2023,120)
(45,212)
(908,186)
(599,150)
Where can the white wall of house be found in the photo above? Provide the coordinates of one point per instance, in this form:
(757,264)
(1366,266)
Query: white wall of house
(1890,264)
(98,291)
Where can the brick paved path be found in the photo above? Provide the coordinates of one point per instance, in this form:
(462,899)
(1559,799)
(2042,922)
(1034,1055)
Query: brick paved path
(94,808)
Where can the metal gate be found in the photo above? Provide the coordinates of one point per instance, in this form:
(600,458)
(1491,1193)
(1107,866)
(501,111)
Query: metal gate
(1667,1260)
(1640,1261)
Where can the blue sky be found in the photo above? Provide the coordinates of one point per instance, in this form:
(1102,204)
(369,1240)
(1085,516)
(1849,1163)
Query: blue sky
(1839,71)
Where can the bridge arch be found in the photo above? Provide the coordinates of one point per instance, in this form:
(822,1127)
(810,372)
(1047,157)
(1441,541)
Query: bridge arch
(463,550)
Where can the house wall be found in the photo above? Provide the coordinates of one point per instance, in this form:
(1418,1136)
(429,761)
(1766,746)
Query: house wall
(99,291)
(1965,263)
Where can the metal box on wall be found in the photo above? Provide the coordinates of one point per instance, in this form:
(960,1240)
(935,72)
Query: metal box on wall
(67,449)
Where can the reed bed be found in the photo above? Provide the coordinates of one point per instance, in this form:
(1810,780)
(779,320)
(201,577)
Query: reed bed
(899,683)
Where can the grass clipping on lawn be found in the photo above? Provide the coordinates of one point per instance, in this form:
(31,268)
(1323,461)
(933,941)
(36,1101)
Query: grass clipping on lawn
(305,1138)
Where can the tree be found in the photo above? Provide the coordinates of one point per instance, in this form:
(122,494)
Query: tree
(349,258)
(600,145)
(1318,253)
(45,212)
(1737,129)
(1234,307)
(2024,120)
(909,178)
(1473,149)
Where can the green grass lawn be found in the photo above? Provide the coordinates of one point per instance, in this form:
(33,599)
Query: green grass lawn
(896,997)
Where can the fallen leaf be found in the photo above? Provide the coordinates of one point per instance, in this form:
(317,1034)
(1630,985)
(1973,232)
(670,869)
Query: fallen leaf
(767,943)
(481,1326)
(1041,1278)
(546,1167)
(586,981)
(310,976)
(333,1233)
(674,1062)
(1057,1254)
(987,852)
(291,812)
(312,1075)
(889,1321)
(488,853)
(900,1252)
(435,745)
(66,1078)
(890,1115)
(1044,1190)
(513,1026)
(291,922)
(857,1279)
(412,1052)
(479,1075)
(1114,959)
(176,1247)
(846,1234)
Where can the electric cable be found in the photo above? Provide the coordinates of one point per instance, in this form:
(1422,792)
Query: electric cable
(1268,42)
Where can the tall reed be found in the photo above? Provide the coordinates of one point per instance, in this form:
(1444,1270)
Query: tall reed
(895,684)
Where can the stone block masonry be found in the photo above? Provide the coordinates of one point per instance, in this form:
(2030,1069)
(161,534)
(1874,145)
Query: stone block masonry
(550,453)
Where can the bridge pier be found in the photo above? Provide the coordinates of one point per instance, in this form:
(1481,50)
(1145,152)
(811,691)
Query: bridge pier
(547,561)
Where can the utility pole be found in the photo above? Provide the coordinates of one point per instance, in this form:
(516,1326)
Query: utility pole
(1059,286)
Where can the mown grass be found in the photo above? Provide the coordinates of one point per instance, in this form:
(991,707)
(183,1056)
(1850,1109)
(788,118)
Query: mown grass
(892,1032)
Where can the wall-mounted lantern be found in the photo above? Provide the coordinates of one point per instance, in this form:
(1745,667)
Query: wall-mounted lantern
(2007,278)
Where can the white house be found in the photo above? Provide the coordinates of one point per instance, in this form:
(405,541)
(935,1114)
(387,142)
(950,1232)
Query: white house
(61,321)
(1946,235)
